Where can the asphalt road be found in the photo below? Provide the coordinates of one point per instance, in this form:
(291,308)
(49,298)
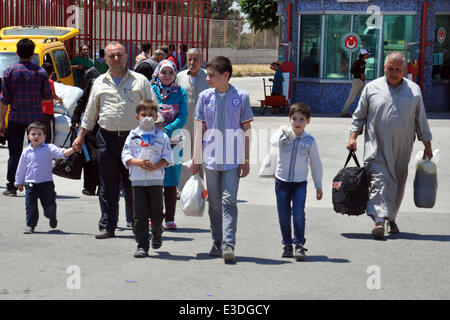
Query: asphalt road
(343,261)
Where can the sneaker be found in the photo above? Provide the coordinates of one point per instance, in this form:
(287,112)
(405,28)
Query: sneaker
(141,253)
(216,250)
(156,242)
(10,193)
(53,222)
(288,251)
(170,225)
(28,230)
(300,252)
(228,254)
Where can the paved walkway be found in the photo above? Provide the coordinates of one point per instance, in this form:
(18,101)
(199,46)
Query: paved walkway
(342,262)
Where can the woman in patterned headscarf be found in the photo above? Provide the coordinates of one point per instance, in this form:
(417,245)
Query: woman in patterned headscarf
(172,101)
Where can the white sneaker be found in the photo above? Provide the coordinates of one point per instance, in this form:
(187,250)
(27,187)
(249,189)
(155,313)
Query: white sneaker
(171,225)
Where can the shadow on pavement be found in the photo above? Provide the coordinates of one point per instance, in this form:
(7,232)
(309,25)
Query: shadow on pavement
(206,256)
(62,233)
(401,235)
(360,236)
(66,197)
(325,259)
(192,230)
(262,260)
(423,237)
(168,256)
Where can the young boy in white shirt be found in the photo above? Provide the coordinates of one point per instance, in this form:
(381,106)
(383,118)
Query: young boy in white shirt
(145,153)
(296,149)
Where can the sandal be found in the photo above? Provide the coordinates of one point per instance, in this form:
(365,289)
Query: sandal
(392,227)
(378,231)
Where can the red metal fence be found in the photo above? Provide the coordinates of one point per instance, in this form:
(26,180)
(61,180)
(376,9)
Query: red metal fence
(131,22)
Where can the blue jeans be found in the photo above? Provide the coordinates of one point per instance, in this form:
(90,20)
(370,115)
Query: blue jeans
(295,192)
(44,191)
(222,189)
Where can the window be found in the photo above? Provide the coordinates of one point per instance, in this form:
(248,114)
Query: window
(397,31)
(62,63)
(441,54)
(320,52)
(336,60)
(310,35)
(369,40)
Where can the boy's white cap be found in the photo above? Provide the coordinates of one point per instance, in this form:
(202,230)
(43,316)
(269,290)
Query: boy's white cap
(363,51)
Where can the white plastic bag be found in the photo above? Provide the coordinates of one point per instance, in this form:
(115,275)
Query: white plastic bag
(425,180)
(62,128)
(69,96)
(269,164)
(192,198)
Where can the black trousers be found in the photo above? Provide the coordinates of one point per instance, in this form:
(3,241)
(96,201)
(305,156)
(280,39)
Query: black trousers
(49,122)
(90,168)
(112,172)
(148,203)
(16,133)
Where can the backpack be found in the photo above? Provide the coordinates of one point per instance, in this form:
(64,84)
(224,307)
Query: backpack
(350,192)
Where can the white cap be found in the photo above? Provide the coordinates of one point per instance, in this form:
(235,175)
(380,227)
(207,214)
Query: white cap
(363,51)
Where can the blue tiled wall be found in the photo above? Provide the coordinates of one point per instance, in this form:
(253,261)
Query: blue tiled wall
(328,98)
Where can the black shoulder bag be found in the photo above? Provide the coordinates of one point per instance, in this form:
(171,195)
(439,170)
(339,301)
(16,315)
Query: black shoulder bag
(350,192)
(71,167)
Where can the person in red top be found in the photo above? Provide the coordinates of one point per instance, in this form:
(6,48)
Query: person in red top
(47,106)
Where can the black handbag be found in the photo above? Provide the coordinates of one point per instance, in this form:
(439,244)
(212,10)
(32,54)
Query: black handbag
(71,167)
(350,192)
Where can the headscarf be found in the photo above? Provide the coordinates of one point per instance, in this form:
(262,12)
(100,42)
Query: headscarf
(165,91)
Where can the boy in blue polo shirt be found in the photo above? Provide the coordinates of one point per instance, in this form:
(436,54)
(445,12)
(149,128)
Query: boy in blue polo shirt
(225,115)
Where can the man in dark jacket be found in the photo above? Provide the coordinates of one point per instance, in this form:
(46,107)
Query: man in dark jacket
(90,169)
(358,69)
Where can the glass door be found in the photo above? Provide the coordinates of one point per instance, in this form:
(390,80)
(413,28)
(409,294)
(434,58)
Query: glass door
(369,40)
(398,30)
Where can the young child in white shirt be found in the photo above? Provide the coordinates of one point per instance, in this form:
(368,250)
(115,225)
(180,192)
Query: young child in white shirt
(296,149)
(145,153)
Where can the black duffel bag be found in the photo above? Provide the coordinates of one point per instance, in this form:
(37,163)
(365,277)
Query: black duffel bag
(71,167)
(350,192)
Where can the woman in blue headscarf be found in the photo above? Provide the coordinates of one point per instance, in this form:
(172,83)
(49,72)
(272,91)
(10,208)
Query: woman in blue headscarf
(172,100)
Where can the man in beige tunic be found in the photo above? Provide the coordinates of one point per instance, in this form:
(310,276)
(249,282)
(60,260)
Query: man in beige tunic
(392,111)
(193,80)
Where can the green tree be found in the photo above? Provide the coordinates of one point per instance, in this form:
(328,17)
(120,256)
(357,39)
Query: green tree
(221,9)
(261,14)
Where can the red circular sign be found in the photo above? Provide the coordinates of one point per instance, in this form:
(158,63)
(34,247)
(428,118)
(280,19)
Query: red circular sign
(441,34)
(351,42)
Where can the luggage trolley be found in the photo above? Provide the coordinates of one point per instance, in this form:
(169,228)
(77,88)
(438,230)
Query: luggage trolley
(276,102)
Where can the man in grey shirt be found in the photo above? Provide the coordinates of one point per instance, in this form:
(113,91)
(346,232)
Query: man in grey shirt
(392,111)
(147,67)
(193,80)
